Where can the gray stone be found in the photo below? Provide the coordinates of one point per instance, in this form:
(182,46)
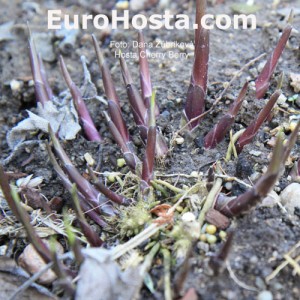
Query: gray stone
(290,197)
(265,295)
(271,200)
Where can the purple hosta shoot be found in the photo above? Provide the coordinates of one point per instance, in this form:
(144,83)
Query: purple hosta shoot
(138,107)
(217,134)
(145,78)
(263,186)
(91,195)
(149,159)
(44,78)
(140,111)
(253,128)
(88,232)
(217,261)
(84,115)
(195,102)
(106,191)
(85,206)
(263,81)
(13,200)
(114,108)
(126,146)
(42,91)
(200,12)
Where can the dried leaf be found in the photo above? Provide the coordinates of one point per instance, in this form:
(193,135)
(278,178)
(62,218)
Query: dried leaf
(99,272)
(63,119)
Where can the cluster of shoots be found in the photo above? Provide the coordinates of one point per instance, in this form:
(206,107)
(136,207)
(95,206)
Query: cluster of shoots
(95,199)
(194,109)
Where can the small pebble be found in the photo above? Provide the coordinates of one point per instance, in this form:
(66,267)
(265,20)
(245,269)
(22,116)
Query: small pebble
(255,153)
(255,176)
(31,261)
(281,99)
(89,159)
(16,85)
(194,174)
(253,260)
(203,246)
(3,250)
(265,295)
(179,140)
(259,282)
(290,197)
(228,186)
(188,217)
(122,5)
(271,200)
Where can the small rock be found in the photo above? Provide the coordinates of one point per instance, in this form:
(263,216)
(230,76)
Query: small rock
(188,217)
(194,174)
(290,197)
(228,186)
(265,295)
(122,5)
(253,260)
(3,250)
(89,159)
(281,99)
(16,85)
(31,261)
(136,5)
(179,140)
(255,153)
(203,246)
(259,282)
(295,78)
(271,200)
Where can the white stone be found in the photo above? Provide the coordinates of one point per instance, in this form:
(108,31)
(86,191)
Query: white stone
(136,5)
(16,85)
(89,159)
(271,200)
(290,197)
(188,217)
(265,295)
(179,140)
(31,261)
